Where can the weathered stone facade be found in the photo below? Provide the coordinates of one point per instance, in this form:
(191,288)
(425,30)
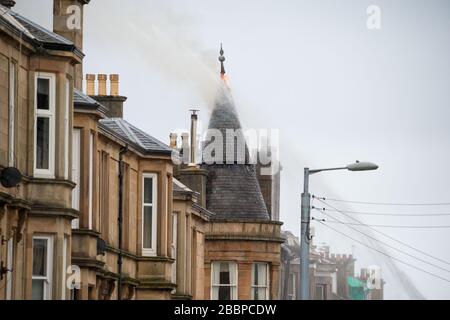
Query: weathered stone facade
(98,197)
(41,205)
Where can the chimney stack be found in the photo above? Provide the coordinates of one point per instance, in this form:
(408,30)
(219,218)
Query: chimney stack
(8,3)
(68,22)
(192,175)
(90,84)
(113,101)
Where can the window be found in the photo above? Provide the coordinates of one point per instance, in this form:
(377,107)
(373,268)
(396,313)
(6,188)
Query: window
(260,281)
(320,292)
(44,125)
(104,189)
(292,287)
(10,267)
(64,270)
(76,148)
(66,130)
(11,118)
(174,246)
(224,281)
(91,178)
(149,215)
(42,268)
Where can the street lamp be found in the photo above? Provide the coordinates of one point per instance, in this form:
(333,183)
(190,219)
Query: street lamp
(306,211)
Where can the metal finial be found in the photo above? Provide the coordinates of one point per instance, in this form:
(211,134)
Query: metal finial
(221,59)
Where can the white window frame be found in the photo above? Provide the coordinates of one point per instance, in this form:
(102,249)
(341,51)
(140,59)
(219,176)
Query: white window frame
(76,174)
(12,113)
(91,180)
(267,286)
(48,279)
(9,267)
(234,287)
(66,130)
(150,252)
(50,114)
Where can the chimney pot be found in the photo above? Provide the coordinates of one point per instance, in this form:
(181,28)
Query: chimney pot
(194,117)
(185,147)
(102,84)
(114,84)
(90,84)
(173,140)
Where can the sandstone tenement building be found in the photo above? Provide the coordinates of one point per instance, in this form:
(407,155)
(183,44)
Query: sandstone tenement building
(103,200)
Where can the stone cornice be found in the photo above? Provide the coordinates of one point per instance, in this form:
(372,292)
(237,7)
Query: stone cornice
(139,258)
(234,237)
(50,211)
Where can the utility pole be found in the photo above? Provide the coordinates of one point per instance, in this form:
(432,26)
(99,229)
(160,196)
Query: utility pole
(305,220)
(304,239)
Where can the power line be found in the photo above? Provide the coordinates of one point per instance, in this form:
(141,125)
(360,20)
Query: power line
(386,235)
(390,226)
(386,244)
(385,203)
(389,256)
(390,214)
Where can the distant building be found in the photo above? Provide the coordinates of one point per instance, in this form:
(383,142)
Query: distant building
(332,276)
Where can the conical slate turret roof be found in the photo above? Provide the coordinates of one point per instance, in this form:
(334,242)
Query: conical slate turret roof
(232,190)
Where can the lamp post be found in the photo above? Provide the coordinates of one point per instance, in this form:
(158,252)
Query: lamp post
(305,219)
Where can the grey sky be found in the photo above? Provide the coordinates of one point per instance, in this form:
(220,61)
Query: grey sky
(336,90)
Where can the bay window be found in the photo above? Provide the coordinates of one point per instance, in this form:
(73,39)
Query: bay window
(44,151)
(149,214)
(224,281)
(42,267)
(260,281)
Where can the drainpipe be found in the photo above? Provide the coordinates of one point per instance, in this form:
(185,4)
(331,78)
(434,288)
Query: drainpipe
(123,150)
